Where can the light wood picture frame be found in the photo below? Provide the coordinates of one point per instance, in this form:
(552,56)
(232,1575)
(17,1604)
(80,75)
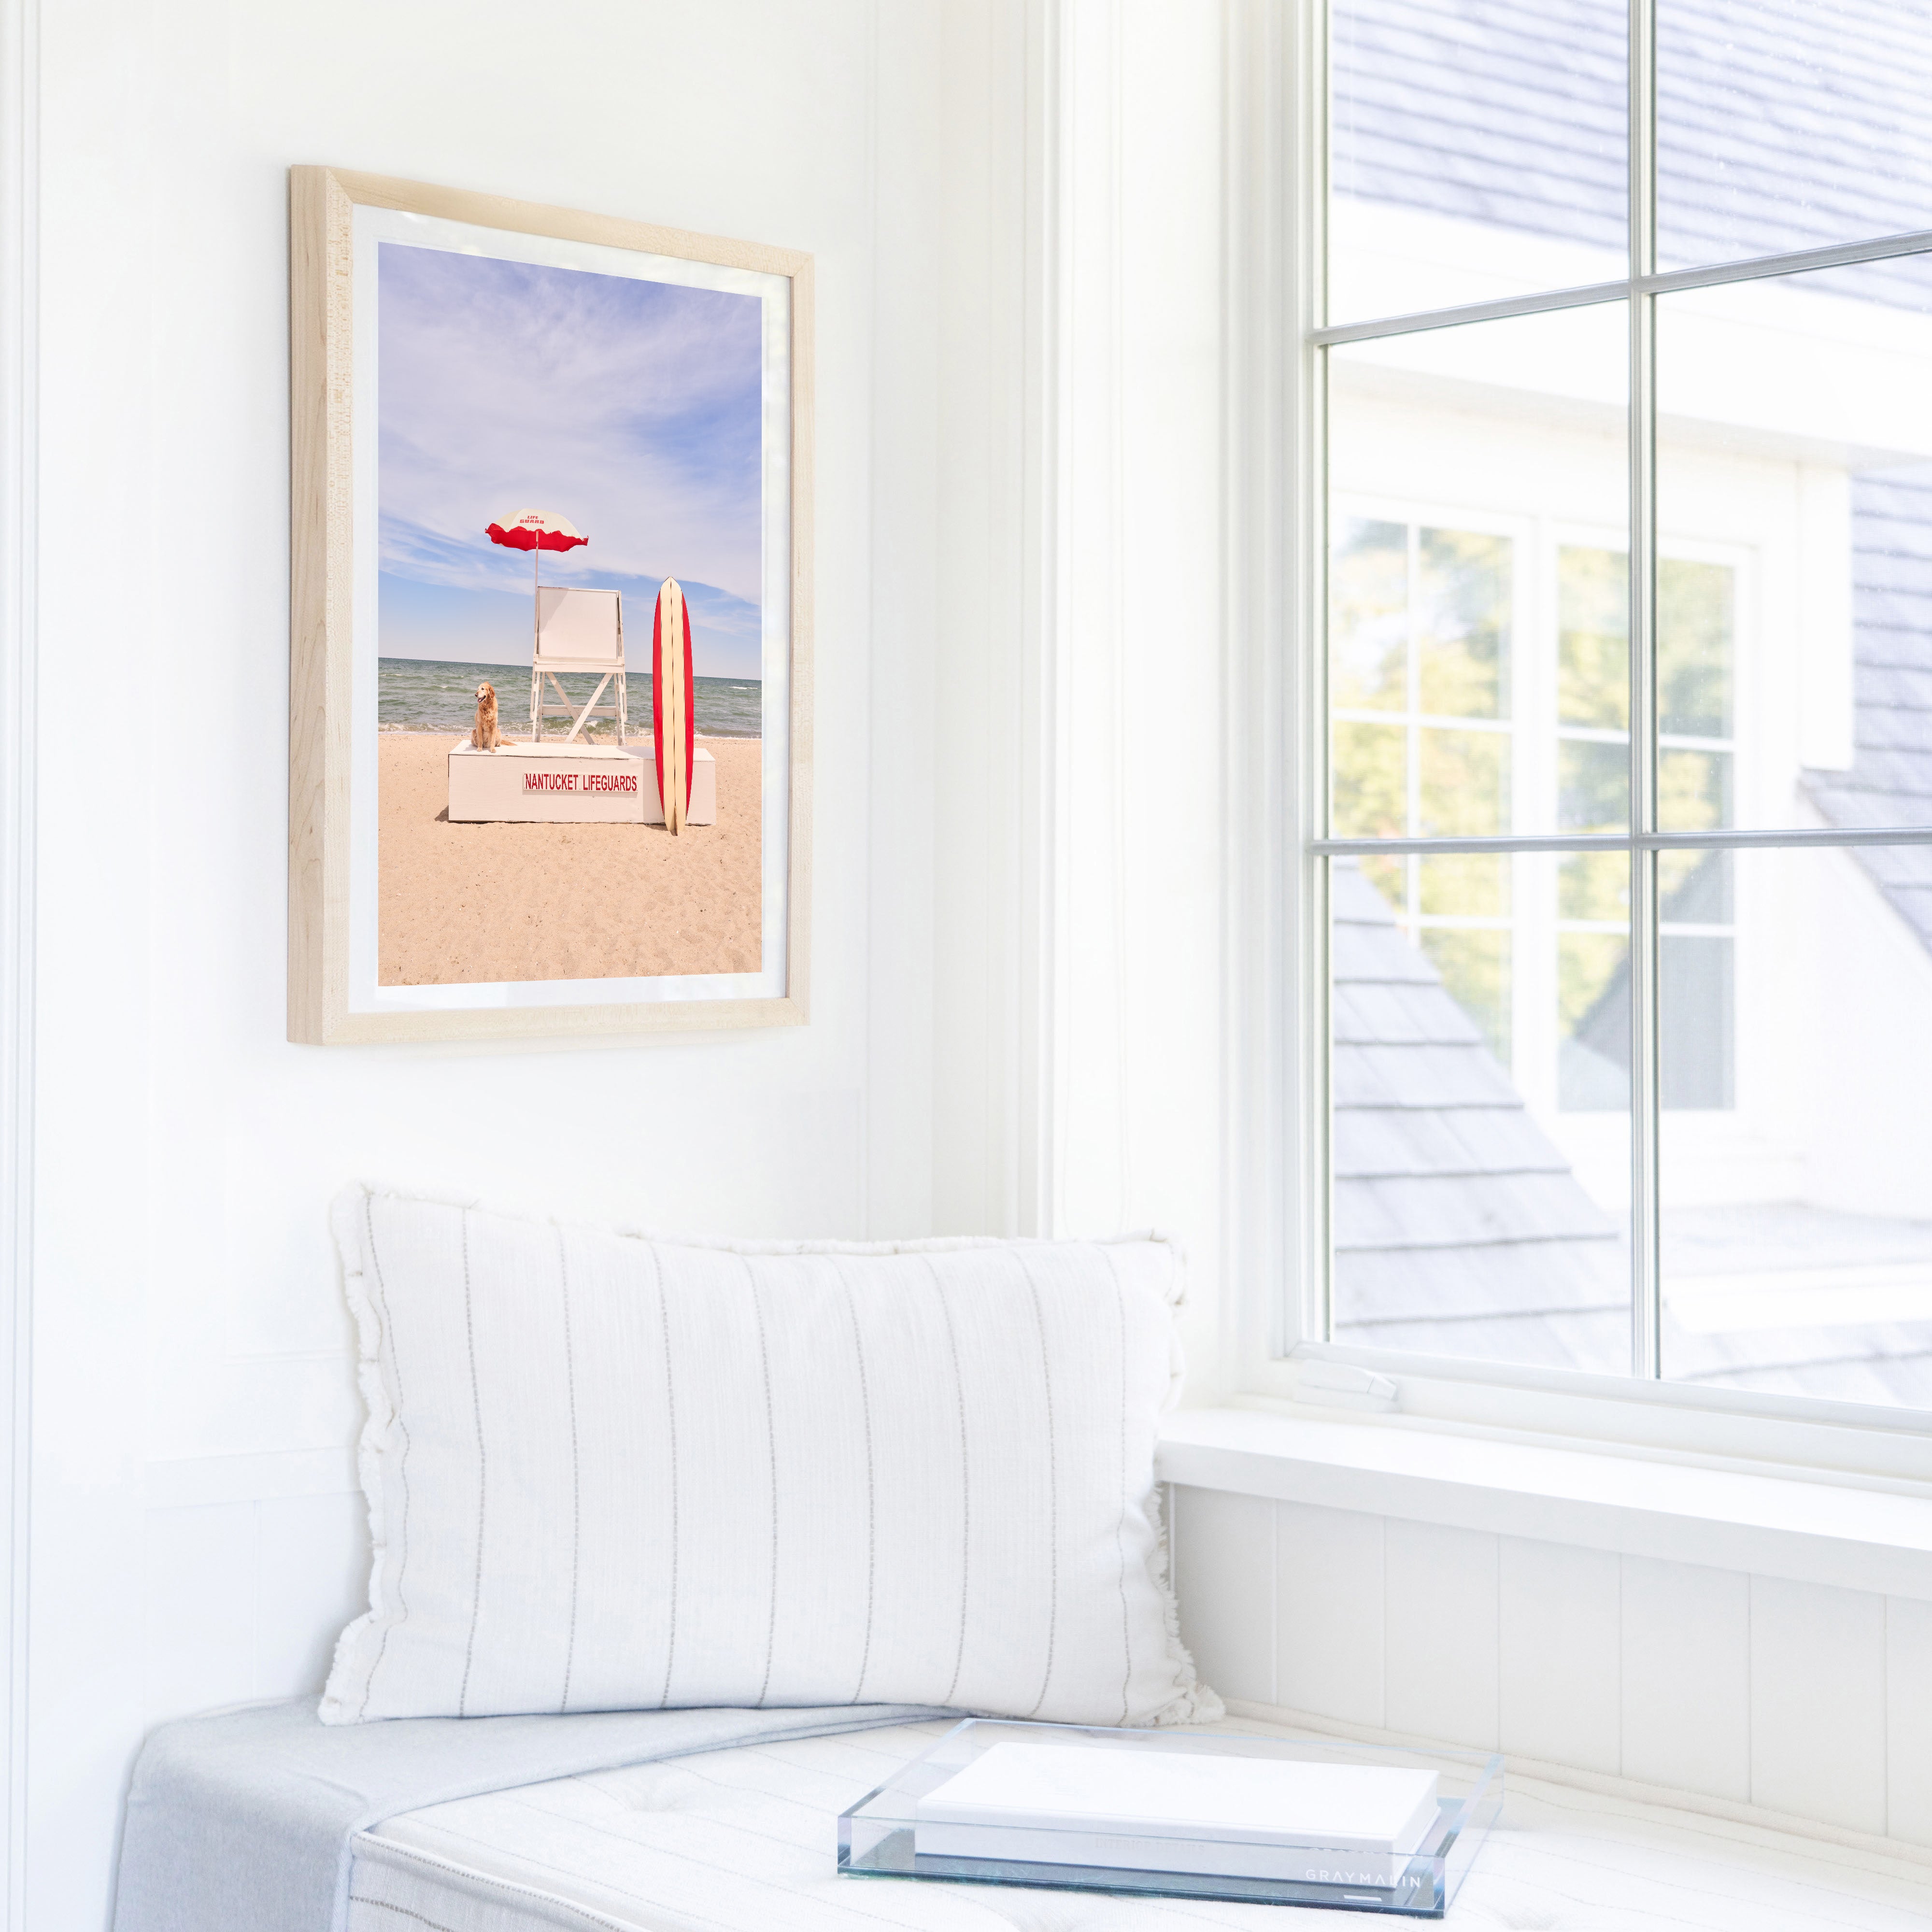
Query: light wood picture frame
(513,911)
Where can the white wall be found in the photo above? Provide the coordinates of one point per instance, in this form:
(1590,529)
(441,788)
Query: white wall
(194,1536)
(1020,922)
(1015,209)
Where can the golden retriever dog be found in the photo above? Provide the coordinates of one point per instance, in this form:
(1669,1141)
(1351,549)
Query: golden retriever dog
(487,737)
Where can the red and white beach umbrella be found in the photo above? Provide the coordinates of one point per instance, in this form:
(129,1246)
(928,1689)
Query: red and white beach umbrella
(536,531)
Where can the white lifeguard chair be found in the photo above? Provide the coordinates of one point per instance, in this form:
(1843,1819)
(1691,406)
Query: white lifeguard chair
(578,630)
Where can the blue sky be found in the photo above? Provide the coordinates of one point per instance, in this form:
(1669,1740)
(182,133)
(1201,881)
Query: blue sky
(632,408)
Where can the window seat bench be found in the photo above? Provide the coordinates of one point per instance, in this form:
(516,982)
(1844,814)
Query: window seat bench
(743,1838)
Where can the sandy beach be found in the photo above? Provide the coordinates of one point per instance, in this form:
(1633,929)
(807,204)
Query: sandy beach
(469,902)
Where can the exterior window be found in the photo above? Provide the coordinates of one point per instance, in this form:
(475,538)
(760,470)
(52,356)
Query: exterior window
(1426,709)
(1626,456)
(1421,635)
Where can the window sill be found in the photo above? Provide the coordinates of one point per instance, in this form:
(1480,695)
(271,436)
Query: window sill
(1772,1525)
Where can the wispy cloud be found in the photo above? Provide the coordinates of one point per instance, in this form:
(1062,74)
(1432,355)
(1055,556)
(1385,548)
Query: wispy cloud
(632,408)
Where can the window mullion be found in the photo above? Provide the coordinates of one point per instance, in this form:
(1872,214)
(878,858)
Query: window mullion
(1645,1248)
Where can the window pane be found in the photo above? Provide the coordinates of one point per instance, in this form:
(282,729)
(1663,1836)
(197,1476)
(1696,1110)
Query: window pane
(1696,1048)
(1463,614)
(1694,888)
(1696,1042)
(1796,1208)
(1794,676)
(1481,1139)
(1790,123)
(1595,886)
(1465,784)
(1593,637)
(1475,152)
(1462,626)
(1593,1004)
(1390,877)
(1693,790)
(1695,630)
(1474,965)
(1465,885)
(1593,794)
(1371,780)
(1369,617)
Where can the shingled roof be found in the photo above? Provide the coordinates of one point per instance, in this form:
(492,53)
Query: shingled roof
(1454,1210)
(1510,113)
(1459,1228)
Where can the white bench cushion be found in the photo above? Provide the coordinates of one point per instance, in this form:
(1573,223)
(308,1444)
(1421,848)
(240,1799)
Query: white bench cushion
(742,1841)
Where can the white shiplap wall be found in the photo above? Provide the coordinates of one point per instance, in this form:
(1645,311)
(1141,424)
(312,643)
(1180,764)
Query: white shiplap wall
(1802,1699)
(194,1537)
(244,1595)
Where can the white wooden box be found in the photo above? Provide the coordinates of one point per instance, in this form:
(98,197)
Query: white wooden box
(565,784)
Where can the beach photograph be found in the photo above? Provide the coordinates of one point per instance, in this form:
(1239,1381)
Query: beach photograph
(569,690)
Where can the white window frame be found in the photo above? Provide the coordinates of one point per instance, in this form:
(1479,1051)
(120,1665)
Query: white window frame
(1277,721)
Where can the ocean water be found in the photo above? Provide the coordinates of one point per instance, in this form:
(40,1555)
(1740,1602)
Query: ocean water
(421,694)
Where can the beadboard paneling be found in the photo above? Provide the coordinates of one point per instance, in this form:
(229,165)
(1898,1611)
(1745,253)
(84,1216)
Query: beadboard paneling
(312,1569)
(245,1600)
(201,1614)
(1687,1677)
(1559,1653)
(1802,1698)
(1328,1615)
(1817,1723)
(1224,1562)
(1908,1719)
(1440,1626)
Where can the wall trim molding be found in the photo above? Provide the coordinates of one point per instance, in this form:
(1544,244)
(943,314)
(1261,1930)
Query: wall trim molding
(1263,414)
(1087,1185)
(1765,1521)
(19,248)
(1035,1181)
(274,1475)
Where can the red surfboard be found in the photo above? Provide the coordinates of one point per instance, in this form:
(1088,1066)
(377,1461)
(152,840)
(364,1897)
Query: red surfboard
(673,717)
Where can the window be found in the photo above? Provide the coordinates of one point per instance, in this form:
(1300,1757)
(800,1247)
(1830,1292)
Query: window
(1426,703)
(1626,836)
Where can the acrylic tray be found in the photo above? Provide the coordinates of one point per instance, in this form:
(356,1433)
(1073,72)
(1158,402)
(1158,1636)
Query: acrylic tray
(876,1835)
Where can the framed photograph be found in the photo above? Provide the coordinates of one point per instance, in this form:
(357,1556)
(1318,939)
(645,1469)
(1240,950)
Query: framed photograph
(549,709)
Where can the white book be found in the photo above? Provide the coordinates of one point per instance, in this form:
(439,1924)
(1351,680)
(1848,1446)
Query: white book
(1148,1809)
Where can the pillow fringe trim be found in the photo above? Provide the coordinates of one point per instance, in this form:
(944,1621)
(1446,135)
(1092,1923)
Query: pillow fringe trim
(1196,1702)
(348,1664)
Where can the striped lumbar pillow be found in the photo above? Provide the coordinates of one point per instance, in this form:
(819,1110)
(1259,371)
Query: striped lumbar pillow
(609,1472)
